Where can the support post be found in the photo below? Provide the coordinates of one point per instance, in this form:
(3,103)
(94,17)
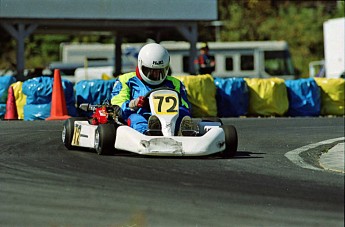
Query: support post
(19,32)
(191,34)
(118,55)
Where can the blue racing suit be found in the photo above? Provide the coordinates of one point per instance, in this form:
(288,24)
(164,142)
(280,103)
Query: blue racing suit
(130,86)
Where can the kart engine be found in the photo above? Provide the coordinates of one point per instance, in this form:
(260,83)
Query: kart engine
(103,114)
(100,116)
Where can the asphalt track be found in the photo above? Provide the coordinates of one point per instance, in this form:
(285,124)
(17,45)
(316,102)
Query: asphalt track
(43,184)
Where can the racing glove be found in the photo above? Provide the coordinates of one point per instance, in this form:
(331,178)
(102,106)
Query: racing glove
(137,103)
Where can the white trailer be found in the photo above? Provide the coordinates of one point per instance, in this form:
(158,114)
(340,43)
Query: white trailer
(233,59)
(93,60)
(334,48)
(256,59)
(333,65)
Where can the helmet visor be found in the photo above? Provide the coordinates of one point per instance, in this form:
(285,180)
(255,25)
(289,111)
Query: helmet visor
(154,74)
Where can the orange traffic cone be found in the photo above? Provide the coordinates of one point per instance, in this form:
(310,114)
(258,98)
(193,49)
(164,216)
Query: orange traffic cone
(58,106)
(11,107)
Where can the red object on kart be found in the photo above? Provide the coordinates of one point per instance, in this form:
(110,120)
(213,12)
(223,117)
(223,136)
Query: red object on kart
(100,116)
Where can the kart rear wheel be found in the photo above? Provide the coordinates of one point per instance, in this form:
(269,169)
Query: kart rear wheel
(68,131)
(105,139)
(231,141)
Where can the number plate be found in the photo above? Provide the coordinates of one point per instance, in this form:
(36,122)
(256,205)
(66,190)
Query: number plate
(166,104)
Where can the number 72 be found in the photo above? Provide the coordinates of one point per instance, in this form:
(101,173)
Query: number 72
(166,104)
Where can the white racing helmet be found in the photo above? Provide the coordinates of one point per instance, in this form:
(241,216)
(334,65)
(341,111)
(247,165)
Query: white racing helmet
(153,57)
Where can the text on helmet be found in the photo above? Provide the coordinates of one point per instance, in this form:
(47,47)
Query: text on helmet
(157,62)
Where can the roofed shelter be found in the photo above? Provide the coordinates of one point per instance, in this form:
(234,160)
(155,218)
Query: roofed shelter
(23,18)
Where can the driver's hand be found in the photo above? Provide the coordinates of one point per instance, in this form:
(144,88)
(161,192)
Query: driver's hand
(139,102)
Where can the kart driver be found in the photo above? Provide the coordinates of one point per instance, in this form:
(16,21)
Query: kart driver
(151,72)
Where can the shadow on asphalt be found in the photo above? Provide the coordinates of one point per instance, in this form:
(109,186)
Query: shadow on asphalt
(247,154)
(239,155)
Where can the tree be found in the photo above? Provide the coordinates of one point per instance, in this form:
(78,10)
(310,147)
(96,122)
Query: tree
(300,23)
(7,53)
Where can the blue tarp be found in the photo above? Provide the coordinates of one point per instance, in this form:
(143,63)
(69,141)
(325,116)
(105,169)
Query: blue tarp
(304,97)
(36,111)
(42,111)
(39,90)
(2,110)
(93,92)
(5,82)
(38,93)
(232,97)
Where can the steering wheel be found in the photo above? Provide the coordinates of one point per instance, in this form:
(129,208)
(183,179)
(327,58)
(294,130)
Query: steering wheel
(159,89)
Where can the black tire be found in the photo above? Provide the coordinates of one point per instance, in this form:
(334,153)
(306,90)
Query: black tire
(105,142)
(68,131)
(231,141)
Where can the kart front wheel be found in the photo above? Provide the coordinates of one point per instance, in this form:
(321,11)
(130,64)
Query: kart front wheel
(105,139)
(231,141)
(68,131)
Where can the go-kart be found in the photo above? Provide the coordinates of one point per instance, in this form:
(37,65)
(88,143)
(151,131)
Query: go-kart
(106,133)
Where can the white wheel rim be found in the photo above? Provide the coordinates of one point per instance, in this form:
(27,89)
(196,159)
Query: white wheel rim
(64,134)
(96,144)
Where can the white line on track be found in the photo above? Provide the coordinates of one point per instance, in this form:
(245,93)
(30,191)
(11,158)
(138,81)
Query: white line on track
(294,157)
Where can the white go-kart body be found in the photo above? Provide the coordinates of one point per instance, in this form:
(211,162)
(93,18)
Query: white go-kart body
(210,136)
